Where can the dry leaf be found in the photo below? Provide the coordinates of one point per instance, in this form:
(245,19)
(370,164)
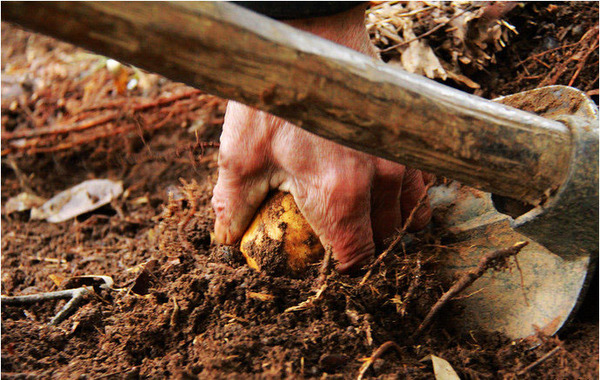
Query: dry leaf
(418,58)
(85,197)
(441,368)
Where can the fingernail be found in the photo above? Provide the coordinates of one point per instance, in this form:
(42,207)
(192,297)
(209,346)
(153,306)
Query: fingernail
(220,234)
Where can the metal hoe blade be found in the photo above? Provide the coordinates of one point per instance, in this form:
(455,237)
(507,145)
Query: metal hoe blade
(548,287)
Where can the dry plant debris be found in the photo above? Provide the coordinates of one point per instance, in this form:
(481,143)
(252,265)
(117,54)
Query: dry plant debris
(491,48)
(472,34)
(68,98)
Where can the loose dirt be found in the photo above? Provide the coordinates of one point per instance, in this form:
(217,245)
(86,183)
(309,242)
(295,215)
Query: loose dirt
(186,308)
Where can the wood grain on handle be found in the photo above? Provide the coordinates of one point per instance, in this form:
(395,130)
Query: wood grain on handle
(322,87)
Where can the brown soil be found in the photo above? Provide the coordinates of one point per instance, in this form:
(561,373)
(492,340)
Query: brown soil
(183,307)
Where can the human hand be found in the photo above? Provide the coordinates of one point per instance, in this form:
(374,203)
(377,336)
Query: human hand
(352,200)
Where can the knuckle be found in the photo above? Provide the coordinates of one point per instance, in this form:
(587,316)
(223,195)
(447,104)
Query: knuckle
(219,204)
(390,173)
(412,178)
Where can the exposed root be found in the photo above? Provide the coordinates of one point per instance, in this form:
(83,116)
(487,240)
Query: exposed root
(491,260)
(539,361)
(421,203)
(81,122)
(75,297)
(310,302)
(325,268)
(321,284)
(376,355)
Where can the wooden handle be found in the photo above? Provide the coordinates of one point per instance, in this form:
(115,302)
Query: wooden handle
(321,87)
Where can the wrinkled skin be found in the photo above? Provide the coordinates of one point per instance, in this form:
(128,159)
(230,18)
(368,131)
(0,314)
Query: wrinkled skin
(352,200)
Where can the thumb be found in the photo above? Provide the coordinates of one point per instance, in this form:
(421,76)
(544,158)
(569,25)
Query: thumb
(235,202)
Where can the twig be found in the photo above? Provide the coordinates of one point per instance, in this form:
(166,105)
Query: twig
(139,107)
(75,297)
(376,355)
(61,129)
(583,60)
(166,100)
(522,281)
(539,361)
(31,146)
(411,288)
(546,52)
(422,202)
(310,302)
(542,63)
(564,66)
(488,261)
(589,33)
(174,313)
(79,124)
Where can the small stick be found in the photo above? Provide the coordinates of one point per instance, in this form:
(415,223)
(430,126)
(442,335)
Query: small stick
(376,355)
(75,295)
(310,302)
(564,66)
(582,61)
(40,297)
(61,129)
(31,146)
(411,289)
(166,100)
(539,361)
(488,261)
(546,52)
(422,202)
(174,313)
